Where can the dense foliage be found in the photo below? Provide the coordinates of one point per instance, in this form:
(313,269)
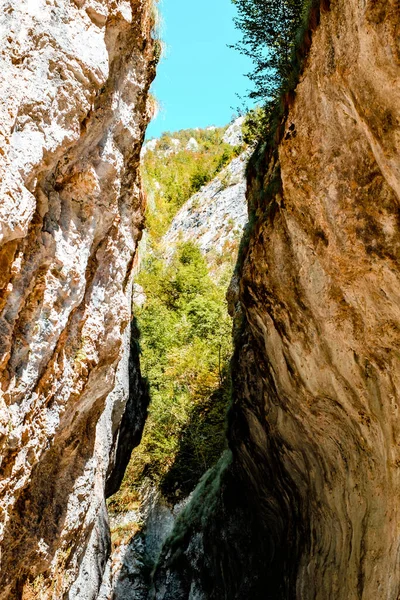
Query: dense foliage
(186,346)
(254,125)
(186,338)
(172,173)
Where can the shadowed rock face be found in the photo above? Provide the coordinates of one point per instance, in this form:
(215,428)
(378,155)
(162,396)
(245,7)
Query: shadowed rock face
(74,79)
(320,290)
(314,427)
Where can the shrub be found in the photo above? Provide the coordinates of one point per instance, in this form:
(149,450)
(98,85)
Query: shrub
(255,125)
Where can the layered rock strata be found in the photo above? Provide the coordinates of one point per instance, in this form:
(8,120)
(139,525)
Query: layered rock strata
(314,427)
(74,79)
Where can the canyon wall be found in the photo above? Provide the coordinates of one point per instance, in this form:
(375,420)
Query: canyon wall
(307,506)
(74,79)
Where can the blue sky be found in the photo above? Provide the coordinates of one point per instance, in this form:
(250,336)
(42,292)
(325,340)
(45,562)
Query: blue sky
(199,76)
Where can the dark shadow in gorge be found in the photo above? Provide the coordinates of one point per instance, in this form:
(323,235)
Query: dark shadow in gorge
(130,432)
(201,444)
(237,538)
(134,579)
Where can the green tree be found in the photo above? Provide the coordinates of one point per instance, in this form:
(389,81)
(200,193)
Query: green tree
(186,345)
(268,30)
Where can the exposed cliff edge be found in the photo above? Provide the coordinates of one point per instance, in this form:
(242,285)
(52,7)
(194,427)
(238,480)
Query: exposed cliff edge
(72,118)
(307,506)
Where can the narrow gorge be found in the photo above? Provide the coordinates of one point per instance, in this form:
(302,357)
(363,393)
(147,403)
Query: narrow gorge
(266,465)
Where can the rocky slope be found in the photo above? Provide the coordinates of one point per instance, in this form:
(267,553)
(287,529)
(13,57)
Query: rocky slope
(72,118)
(314,474)
(215,217)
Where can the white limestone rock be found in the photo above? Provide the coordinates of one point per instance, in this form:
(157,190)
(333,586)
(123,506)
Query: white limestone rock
(233,134)
(215,217)
(74,77)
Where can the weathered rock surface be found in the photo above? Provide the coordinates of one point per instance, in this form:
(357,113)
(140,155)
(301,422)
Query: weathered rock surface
(314,428)
(213,218)
(74,79)
(128,573)
(234,134)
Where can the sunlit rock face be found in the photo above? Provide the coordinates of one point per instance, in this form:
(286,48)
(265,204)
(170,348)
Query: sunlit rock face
(314,427)
(215,216)
(320,290)
(74,78)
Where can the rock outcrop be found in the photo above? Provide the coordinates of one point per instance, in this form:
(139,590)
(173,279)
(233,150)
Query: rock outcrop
(215,216)
(234,133)
(314,426)
(74,80)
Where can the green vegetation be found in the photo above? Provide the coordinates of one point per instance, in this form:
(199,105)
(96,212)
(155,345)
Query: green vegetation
(186,347)
(172,174)
(186,332)
(269,29)
(255,123)
(276,35)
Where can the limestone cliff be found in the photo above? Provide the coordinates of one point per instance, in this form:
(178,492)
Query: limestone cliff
(143,512)
(215,216)
(74,79)
(314,427)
